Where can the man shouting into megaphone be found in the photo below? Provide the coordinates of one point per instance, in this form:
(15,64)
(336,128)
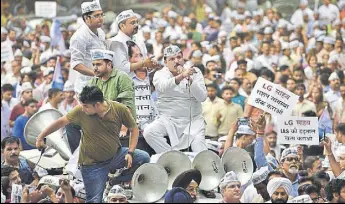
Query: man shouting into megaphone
(180,91)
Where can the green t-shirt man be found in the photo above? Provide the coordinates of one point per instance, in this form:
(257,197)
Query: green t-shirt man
(100,141)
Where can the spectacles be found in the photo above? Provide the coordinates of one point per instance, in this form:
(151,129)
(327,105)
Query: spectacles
(121,200)
(134,23)
(234,186)
(98,16)
(192,189)
(290,159)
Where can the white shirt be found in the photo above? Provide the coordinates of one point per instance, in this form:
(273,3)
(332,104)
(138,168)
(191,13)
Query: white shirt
(332,97)
(328,13)
(46,106)
(13,102)
(172,31)
(342,175)
(118,44)
(264,61)
(298,15)
(82,42)
(10,79)
(145,109)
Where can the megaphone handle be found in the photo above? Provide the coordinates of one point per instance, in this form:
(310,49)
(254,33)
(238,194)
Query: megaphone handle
(42,149)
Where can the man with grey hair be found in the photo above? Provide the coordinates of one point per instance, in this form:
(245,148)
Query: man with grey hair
(290,164)
(230,188)
(180,93)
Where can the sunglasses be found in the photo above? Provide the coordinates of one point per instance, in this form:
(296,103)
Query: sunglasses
(290,159)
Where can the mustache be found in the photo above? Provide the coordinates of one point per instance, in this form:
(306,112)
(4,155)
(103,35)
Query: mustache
(14,155)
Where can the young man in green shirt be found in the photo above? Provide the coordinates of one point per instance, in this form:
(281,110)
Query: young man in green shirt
(100,147)
(116,85)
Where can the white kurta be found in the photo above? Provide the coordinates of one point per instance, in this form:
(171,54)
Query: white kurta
(297,16)
(328,13)
(82,42)
(118,44)
(174,104)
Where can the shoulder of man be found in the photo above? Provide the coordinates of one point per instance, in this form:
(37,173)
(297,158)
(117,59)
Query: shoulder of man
(118,106)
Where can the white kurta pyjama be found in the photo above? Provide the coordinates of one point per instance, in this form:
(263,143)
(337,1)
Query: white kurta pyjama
(174,102)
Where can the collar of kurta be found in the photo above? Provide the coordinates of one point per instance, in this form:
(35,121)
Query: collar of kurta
(123,36)
(92,33)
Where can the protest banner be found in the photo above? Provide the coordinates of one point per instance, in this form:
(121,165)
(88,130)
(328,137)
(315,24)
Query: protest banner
(46,9)
(298,130)
(6,52)
(272,98)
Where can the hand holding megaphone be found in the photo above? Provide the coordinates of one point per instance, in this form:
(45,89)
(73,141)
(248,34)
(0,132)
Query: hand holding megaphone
(186,73)
(40,144)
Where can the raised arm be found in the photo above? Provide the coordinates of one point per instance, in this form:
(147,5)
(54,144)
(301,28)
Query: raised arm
(198,87)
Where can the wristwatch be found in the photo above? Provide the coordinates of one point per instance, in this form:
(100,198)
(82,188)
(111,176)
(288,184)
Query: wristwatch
(131,153)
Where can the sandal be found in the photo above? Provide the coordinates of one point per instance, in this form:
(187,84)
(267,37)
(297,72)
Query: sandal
(208,194)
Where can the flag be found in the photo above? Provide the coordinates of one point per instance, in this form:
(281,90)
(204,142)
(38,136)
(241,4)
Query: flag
(58,79)
(57,40)
(325,123)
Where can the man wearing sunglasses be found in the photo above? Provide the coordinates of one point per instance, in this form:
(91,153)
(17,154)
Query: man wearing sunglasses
(230,188)
(290,164)
(89,36)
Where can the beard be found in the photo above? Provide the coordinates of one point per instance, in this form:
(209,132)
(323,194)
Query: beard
(279,201)
(293,170)
(212,97)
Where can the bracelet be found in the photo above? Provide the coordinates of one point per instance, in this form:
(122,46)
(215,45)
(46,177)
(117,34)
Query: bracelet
(331,154)
(39,139)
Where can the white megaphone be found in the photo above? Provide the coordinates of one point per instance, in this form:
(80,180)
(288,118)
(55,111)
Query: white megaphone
(38,122)
(175,163)
(211,168)
(239,161)
(149,183)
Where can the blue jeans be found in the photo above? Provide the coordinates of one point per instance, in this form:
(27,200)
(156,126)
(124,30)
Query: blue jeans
(95,176)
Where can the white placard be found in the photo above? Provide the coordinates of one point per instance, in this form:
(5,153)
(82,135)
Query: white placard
(272,98)
(6,52)
(298,130)
(46,9)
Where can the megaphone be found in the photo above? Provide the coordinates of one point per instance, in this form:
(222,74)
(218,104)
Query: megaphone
(211,169)
(149,183)
(56,140)
(175,163)
(239,161)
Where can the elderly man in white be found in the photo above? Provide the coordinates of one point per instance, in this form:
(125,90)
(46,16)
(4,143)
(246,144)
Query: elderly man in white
(128,28)
(89,36)
(180,93)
